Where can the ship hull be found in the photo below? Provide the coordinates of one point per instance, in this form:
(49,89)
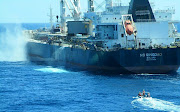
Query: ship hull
(123,61)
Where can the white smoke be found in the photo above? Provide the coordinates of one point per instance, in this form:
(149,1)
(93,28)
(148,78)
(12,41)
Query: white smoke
(12,43)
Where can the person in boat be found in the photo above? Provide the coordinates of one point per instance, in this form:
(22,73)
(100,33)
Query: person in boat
(144,93)
(148,95)
(139,94)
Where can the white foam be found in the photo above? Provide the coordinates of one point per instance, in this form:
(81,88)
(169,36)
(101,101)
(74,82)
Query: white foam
(177,82)
(51,70)
(12,44)
(151,74)
(152,103)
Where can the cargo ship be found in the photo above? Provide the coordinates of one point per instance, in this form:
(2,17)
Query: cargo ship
(131,39)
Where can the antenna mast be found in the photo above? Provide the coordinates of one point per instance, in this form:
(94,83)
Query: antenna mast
(51,17)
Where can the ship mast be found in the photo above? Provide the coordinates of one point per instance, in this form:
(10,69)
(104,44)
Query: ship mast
(51,17)
(63,15)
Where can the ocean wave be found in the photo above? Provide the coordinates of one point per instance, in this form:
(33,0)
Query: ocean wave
(157,104)
(175,82)
(50,69)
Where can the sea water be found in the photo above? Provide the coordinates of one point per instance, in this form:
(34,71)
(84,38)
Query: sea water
(27,87)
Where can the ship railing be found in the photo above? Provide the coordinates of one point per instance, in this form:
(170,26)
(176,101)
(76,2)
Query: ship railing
(119,4)
(145,20)
(116,4)
(177,34)
(172,11)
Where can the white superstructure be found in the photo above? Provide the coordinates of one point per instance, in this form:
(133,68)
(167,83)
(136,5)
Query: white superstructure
(110,26)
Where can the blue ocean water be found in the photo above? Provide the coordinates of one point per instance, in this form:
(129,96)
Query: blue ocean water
(27,87)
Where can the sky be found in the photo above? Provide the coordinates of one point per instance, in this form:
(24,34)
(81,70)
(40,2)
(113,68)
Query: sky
(36,11)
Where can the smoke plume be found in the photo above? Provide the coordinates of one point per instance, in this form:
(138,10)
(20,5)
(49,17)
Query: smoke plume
(12,43)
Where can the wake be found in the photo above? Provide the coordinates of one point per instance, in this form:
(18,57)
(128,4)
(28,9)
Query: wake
(50,69)
(157,104)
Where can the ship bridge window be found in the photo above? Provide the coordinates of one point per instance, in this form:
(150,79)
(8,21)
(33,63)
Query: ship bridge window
(122,35)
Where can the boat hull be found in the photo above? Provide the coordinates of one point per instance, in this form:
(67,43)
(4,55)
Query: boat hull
(123,61)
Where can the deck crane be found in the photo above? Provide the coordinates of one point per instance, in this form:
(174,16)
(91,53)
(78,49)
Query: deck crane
(74,9)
